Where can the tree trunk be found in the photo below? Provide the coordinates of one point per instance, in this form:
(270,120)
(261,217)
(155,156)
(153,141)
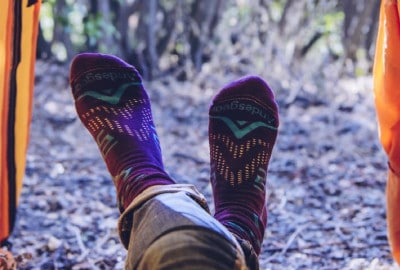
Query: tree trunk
(43,47)
(372,31)
(104,9)
(205,16)
(60,34)
(284,15)
(356,20)
(125,10)
(151,38)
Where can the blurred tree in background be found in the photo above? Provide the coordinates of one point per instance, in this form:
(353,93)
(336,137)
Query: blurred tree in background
(182,37)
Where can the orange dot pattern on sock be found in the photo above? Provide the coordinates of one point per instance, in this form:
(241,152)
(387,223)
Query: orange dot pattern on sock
(116,119)
(249,155)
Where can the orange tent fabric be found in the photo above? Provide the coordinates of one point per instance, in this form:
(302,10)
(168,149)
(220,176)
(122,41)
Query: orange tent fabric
(387,100)
(18,34)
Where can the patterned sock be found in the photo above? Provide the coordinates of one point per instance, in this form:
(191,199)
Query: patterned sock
(113,105)
(242,132)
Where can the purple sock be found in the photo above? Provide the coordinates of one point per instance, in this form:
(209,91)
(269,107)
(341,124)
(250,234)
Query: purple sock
(242,132)
(113,105)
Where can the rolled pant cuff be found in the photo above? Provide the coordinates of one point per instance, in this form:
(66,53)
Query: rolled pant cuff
(126,218)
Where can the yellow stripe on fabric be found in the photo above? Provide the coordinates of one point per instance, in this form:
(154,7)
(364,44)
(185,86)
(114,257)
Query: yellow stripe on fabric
(25,81)
(25,84)
(6,34)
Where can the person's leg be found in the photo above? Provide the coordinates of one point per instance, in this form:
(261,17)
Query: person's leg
(242,132)
(386,75)
(167,227)
(156,213)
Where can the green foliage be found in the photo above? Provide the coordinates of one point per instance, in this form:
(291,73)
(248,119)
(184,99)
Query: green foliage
(332,22)
(47,19)
(300,32)
(276,8)
(84,29)
(93,28)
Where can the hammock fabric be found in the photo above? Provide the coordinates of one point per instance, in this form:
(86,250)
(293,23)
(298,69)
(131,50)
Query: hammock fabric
(18,33)
(387,101)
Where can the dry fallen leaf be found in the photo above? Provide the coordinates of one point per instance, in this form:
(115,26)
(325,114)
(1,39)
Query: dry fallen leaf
(7,261)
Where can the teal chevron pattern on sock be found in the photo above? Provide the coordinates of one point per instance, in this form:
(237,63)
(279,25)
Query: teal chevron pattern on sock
(111,96)
(242,128)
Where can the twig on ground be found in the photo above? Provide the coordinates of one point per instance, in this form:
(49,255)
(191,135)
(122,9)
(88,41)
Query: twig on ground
(84,251)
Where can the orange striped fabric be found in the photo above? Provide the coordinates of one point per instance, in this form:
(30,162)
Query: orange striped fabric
(18,25)
(387,101)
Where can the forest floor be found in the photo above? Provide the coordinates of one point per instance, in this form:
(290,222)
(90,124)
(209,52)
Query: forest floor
(326,181)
